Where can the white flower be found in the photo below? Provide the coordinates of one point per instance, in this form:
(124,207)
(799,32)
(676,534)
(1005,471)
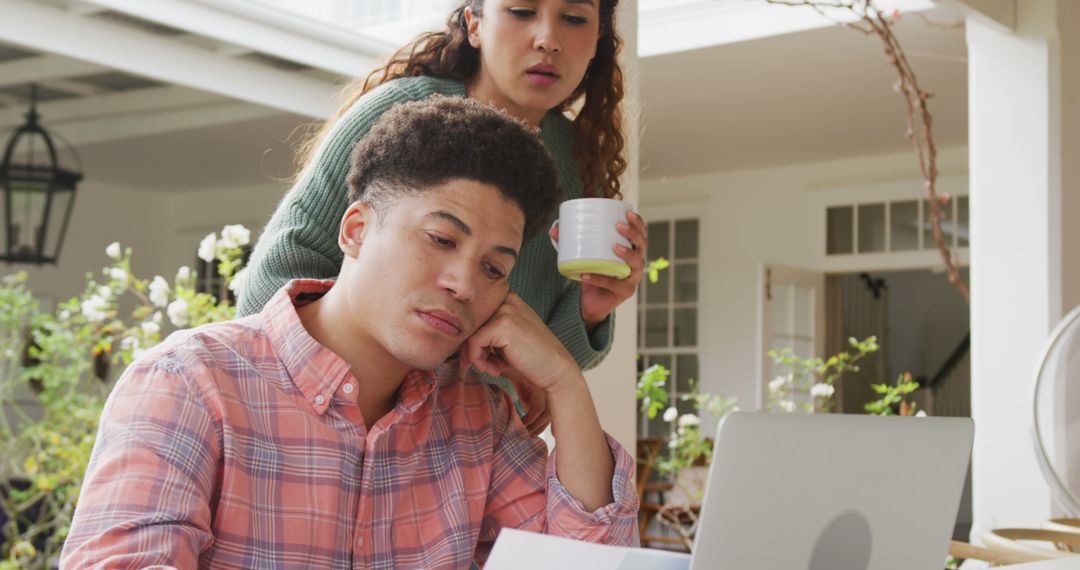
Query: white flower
(238,281)
(113,251)
(787,406)
(94,308)
(65,315)
(183,275)
(822,390)
(158,318)
(105,292)
(208,247)
(235,236)
(159,291)
(118,274)
(150,327)
(777,384)
(920,414)
(129,343)
(670,414)
(178,313)
(687,420)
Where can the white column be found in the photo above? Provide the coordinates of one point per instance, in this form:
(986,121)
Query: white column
(1016,172)
(612,383)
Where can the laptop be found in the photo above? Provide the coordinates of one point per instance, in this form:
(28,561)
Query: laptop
(832,492)
(801,492)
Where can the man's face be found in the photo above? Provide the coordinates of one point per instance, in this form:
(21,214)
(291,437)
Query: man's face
(431,270)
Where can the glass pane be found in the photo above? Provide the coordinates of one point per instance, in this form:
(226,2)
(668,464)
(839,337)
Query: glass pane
(27,210)
(687,370)
(656,327)
(962,221)
(659,240)
(781,309)
(871,228)
(685,327)
(685,407)
(686,282)
(839,230)
(660,291)
(661,359)
(804,348)
(804,311)
(57,211)
(946,225)
(658,427)
(686,239)
(904,225)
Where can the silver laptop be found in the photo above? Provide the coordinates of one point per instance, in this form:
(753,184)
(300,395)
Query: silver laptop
(832,492)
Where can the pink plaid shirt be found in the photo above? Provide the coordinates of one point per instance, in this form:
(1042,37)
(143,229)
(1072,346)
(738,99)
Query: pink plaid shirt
(239,445)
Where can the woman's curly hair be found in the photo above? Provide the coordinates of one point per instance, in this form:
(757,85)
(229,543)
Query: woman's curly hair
(598,136)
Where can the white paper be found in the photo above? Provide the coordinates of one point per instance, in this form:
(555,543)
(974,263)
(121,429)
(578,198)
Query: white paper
(521,550)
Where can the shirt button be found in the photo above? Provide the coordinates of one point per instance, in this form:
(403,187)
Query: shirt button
(320,399)
(347,388)
(360,540)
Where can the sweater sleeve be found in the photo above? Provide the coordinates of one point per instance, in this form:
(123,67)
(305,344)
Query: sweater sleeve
(588,349)
(300,240)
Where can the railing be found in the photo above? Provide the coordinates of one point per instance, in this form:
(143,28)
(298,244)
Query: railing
(950,388)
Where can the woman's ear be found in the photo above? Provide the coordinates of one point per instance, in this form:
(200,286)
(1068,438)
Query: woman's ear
(354,225)
(472,27)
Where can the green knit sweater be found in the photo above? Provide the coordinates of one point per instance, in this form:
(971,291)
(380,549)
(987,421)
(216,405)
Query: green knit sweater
(300,241)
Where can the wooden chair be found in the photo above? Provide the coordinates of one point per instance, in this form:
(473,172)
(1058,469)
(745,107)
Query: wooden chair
(648,488)
(1005,546)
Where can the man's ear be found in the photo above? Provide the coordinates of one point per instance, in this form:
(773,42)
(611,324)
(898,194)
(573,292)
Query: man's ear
(354,226)
(472,27)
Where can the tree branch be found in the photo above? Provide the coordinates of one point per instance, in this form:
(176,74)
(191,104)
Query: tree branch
(920,123)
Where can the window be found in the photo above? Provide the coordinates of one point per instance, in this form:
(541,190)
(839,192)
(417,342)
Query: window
(210,281)
(668,314)
(887,227)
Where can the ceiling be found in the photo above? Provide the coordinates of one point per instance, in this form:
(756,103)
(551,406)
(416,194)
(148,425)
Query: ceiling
(801,97)
(805,96)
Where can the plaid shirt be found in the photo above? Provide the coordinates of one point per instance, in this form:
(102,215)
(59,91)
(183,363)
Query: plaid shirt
(240,445)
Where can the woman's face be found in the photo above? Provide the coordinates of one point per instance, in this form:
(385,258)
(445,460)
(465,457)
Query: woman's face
(533,53)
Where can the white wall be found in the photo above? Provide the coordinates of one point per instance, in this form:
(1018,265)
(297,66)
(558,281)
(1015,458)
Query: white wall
(776,216)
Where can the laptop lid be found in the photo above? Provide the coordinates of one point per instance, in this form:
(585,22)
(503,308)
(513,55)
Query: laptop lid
(832,492)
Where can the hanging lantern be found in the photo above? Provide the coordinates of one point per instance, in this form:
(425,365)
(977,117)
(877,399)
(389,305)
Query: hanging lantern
(38,194)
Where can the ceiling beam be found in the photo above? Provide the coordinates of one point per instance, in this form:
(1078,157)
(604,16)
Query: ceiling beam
(999,14)
(94,130)
(43,68)
(136,101)
(264,29)
(167,60)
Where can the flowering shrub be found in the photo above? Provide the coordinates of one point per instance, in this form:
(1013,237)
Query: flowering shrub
(809,384)
(55,361)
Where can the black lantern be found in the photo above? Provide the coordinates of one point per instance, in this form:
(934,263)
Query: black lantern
(38,194)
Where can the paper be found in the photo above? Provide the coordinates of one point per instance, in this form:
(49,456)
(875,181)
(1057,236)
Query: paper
(521,550)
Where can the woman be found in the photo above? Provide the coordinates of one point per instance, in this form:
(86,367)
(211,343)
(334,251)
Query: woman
(533,59)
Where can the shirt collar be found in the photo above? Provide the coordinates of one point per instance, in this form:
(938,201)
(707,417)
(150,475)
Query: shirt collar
(316,370)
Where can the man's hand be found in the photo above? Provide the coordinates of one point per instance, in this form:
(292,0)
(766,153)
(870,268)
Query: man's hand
(515,343)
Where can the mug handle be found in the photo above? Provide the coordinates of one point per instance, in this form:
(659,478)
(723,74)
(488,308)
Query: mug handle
(554,243)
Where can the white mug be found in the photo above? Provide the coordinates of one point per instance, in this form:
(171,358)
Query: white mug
(587,236)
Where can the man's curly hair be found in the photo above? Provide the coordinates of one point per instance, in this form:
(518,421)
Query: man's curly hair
(415,146)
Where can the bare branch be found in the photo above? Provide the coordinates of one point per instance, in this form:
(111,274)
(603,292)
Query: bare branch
(920,123)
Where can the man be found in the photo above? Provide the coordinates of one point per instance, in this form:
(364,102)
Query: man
(331,430)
